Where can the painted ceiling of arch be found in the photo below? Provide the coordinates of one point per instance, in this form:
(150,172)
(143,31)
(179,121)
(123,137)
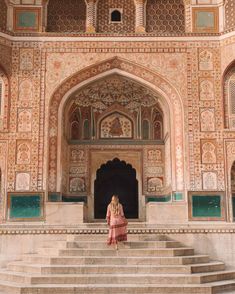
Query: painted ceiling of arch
(113,90)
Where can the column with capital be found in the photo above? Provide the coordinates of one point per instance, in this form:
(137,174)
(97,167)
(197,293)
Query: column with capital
(140,16)
(90,16)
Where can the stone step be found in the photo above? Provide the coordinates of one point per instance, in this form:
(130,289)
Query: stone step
(126,245)
(115,260)
(182,251)
(103,237)
(116,278)
(15,288)
(106,269)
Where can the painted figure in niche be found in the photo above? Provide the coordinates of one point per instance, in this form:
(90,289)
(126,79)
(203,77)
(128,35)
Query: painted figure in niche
(206,90)
(154,184)
(25,121)
(77,185)
(207,120)
(23,154)
(116,221)
(208,153)
(116,128)
(22,182)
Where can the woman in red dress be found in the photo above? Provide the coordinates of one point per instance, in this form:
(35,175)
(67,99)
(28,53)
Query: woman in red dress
(116,221)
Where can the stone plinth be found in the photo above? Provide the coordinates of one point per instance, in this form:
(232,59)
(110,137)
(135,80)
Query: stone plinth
(61,213)
(166,213)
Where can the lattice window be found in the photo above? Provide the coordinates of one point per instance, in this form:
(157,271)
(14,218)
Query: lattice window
(165,16)
(232,95)
(3,14)
(66,16)
(229,14)
(127,11)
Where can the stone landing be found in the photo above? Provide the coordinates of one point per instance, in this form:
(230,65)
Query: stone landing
(147,263)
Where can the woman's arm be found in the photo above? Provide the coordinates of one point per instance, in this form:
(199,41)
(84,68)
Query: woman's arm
(108,215)
(121,211)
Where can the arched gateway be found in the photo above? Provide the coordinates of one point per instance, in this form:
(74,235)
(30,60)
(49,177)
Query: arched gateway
(116,109)
(119,178)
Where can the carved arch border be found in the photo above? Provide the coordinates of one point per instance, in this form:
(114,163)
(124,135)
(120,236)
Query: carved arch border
(138,73)
(230,159)
(5,100)
(228,73)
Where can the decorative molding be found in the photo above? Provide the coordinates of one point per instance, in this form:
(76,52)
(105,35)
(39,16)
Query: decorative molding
(98,231)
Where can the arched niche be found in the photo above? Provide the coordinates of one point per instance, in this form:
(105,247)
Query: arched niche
(169,101)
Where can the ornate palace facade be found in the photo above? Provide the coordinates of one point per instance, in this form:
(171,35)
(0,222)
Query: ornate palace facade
(135,97)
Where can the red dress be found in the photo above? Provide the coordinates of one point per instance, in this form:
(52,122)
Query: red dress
(117,226)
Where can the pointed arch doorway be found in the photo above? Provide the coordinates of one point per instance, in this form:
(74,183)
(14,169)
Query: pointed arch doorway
(116,177)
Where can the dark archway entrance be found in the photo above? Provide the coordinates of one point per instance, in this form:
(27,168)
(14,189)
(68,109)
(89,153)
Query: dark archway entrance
(116,177)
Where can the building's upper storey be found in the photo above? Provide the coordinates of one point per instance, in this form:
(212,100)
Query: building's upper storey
(112,17)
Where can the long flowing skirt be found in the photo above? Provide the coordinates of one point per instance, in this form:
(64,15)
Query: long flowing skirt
(117,230)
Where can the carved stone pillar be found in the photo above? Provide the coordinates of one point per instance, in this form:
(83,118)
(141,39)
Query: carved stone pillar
(140,15)
(90,16)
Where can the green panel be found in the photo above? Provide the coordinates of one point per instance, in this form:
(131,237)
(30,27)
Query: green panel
(27,19)
(178,196)
(166,198)
(233,207)
(205,19)
(54,197)
(206,206)
(25,206)
(74,199)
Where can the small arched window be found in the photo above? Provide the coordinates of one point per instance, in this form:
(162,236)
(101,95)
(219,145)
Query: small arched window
(86,130)
(116,15)
(74,124)
(157,125)
(75,130)
(157,130)
(145,130)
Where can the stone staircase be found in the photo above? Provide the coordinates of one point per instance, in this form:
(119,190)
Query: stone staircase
(145,264)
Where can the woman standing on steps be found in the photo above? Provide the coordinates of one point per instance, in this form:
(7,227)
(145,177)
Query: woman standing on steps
(116,221)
